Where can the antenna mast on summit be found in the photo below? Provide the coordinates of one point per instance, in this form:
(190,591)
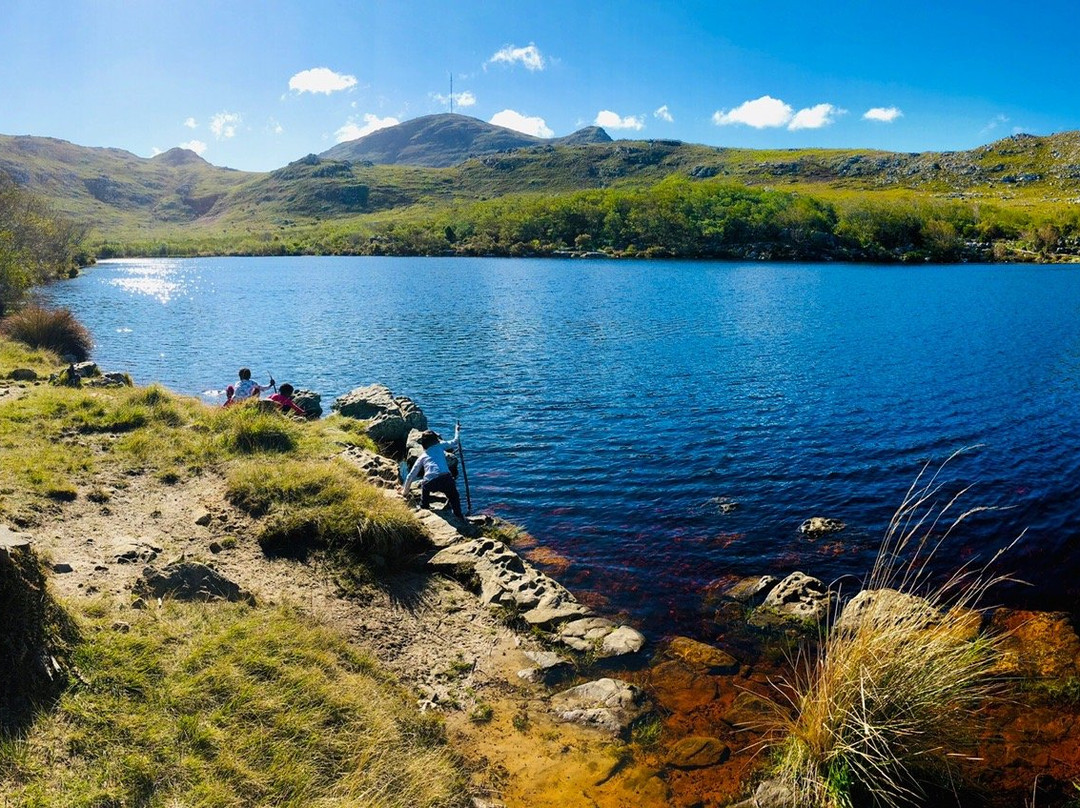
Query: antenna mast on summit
(451,93)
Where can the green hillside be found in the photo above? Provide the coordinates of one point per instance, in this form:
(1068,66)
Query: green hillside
(177,203)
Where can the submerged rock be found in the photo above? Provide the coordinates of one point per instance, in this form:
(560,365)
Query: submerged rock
(701,656)
(820,525)
(698,752)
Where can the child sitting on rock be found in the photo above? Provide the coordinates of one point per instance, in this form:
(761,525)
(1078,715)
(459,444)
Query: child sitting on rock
(283,397)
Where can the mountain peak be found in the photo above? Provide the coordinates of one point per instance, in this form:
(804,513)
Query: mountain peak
(177,156)
(447,139)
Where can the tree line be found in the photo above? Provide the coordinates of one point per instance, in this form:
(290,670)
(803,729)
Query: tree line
(676,218)
(37,244)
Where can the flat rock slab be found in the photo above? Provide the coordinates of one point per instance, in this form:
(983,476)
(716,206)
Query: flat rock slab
(601,636)
(609,705)
(506,579)
(11,540)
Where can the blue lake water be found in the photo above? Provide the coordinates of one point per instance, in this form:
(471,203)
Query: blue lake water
(608,405)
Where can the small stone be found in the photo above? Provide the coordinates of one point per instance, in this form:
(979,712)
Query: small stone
(698,752)
(138,603)
(62,567)
(204,519)
(622,642)
(215,547)
(122,626)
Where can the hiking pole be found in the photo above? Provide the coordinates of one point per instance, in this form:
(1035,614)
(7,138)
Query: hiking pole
(464,474)
(272,382)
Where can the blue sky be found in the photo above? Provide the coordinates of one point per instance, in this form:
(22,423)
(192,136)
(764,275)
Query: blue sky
(254,85)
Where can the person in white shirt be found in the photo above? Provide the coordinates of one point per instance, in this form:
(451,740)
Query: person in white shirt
(434,471)
(246,388)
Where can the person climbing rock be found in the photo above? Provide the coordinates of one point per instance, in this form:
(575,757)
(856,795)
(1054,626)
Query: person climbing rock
(434,471)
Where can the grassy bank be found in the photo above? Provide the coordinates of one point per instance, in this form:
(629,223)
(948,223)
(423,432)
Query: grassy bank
(210,704)
(223,705)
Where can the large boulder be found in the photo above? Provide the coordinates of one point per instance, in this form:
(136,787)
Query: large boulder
(609,705)
(389,419)
(882,608)
(309,401)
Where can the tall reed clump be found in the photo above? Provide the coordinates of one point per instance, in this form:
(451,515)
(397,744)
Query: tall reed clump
(889,703)
(56,330)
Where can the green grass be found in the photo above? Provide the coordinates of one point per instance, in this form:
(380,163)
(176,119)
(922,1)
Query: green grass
(321,504)
(225,706)
(56,442)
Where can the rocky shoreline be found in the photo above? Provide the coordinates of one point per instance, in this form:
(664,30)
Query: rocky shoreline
(510,657)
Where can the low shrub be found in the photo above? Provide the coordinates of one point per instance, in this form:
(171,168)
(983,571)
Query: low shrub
(247,429)
(55,330)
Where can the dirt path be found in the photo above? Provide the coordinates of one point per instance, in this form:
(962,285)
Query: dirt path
(434,634)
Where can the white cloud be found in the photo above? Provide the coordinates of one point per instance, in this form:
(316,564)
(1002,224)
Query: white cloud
(196,146)
(352,130)
(760,113)
(274,126)
(882,114)
(994,124)
(465,99)
(522,123)
(611,120)
(815,117)
(154,151)
(663,114)
(190,123)
(321,80)
(224,124)
(529,56)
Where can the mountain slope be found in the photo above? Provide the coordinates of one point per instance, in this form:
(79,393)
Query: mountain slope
(445,140)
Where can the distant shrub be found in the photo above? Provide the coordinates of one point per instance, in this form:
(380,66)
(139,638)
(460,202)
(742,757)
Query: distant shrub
(55,330)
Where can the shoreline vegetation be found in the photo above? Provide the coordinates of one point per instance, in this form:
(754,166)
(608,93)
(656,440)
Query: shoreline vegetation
(675,218)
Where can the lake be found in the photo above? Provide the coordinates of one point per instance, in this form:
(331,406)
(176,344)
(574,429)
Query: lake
(664,425)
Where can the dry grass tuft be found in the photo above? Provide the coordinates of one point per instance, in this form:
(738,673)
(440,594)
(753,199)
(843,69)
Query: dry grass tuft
(889,704)
(54,330)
